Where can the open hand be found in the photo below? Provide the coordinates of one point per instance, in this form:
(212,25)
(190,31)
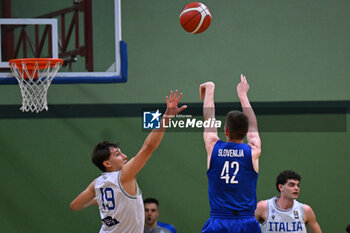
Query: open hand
(172,102)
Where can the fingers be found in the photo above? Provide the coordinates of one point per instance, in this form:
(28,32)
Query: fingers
(173,96)
(179,98)
(183,107)
(173,100)
(170,97)
(243,78)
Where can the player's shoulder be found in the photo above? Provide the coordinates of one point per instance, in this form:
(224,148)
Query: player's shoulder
(256,150)
(210,137)
(262,205)
(111,177)
(307,209)
(168,226)
(261,211)
(162,229)
(92,184)
(309,214)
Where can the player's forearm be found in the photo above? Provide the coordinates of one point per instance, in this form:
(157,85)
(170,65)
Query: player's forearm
(84,199)
(155,137)
(134,166)
(208,103)
(84,205)
(248,111)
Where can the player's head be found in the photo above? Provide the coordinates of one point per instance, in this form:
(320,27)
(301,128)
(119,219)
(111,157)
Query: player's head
(348,228)
(287,183)
(236,125)
(107,156)
(151,211)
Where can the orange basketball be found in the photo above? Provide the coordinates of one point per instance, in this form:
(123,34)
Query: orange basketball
(195,17)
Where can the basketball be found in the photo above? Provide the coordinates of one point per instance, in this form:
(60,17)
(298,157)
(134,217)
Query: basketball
(195,17)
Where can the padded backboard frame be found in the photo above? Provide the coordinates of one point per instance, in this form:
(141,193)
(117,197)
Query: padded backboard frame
(121,66)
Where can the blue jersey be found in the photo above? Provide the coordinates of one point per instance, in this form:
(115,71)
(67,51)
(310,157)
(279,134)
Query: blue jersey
(232,180)
(168,226)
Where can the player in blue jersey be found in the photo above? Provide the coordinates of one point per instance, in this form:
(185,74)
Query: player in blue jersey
(232,165)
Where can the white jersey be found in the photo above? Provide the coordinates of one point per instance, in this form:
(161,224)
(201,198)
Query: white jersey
(278,220)
(120,212)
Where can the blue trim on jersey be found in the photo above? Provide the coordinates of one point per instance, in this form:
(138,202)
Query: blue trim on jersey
(138,190)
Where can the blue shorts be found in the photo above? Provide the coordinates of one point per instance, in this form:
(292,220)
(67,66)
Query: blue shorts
(232,225)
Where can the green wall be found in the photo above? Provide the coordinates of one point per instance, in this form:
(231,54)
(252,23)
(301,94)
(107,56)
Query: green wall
(291,51)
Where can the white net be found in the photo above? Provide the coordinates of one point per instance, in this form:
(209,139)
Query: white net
(34,83)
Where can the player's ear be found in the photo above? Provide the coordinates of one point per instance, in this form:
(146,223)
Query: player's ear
(280,187)
(226,132)
(107,164)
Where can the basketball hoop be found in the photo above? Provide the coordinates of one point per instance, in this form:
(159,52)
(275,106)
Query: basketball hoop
(34,76)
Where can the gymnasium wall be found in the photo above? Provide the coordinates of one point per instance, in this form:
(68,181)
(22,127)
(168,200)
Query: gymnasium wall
(294,53)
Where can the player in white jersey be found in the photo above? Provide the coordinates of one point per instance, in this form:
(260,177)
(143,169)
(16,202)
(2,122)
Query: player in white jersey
(284,213)
(117,206)
(116,191)
(279,220)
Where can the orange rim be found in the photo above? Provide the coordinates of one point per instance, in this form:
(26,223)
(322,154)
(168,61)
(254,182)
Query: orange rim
(30,62)
(30,65)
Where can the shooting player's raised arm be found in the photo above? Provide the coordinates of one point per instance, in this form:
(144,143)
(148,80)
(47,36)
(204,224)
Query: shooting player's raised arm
(210,134)
(253,137)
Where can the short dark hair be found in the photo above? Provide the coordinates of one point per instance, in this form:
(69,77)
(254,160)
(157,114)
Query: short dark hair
(348,228)
(151,200)
(286,175)
(236,124)
(101,153)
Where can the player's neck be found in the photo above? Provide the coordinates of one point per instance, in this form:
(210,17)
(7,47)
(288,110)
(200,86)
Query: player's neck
(284,203)
(234,140)
(228,139)
(112,170)
(151,226)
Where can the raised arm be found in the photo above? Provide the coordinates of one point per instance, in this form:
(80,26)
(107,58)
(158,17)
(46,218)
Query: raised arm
(253,137)
(210,134)
(130,170)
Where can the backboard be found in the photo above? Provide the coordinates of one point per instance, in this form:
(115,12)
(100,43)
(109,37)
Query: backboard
(86,35)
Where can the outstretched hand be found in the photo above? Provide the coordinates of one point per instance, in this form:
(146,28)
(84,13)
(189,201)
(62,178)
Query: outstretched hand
(172,102)
(243,86)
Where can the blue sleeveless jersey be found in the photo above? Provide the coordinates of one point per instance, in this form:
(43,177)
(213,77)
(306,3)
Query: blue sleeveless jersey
(232,180)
